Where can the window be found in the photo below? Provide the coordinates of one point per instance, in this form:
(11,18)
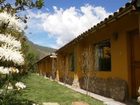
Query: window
(103,56)
(71,62)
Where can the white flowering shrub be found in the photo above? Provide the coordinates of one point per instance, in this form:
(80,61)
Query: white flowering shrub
(8,53)
(4,70)
(12,59)
(8,70)
(138,99)
(11,20)
(20,85)
(10,40)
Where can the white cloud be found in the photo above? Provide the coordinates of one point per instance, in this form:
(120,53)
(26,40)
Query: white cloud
(67,24)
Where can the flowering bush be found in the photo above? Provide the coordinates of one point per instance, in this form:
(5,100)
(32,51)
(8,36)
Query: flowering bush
(6,70)
(12,41)
(11,59)
(8,53)
(138,99)
(11,20)
(20,85)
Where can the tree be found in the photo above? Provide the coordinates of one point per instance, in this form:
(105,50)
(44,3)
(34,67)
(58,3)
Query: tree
(18,5)
(9,10)
(13,48)
(12,8)
(11,62)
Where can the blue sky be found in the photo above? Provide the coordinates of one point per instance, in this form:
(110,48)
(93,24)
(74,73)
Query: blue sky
(109,5)
(59,21)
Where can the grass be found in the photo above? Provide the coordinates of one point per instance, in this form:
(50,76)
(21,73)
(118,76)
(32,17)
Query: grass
(43,90)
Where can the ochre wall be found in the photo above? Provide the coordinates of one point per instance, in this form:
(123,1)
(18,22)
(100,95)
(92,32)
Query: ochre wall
(48,67)
(119,47)
(40,67)
(120,57)
(63,64)
(45,66)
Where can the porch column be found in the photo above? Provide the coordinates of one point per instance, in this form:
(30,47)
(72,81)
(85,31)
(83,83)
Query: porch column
(75,83)
(53,56)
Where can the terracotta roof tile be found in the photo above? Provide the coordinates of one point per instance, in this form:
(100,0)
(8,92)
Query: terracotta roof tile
(110,18)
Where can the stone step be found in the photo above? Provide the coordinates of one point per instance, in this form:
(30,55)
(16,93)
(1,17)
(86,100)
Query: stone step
(49,103)
(79,103)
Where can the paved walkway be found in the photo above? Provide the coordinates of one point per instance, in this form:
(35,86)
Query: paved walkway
(105,100)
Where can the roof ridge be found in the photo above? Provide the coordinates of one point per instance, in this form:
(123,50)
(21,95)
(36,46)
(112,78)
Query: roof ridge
(121,11)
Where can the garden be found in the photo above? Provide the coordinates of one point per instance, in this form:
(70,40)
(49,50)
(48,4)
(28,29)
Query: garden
(40,89)
(18,86)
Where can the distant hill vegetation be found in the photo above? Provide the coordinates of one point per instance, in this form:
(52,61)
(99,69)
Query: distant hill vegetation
(40,51)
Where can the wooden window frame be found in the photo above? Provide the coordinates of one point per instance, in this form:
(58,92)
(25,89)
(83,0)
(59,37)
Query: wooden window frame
(103,55)
(72,62)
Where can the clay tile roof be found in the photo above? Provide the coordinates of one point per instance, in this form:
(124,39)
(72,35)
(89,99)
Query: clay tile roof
(121,11)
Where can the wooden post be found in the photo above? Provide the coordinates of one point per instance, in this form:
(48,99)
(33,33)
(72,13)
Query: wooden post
(53,56)
(57,75)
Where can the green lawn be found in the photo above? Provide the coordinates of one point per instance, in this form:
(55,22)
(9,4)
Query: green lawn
(42,90)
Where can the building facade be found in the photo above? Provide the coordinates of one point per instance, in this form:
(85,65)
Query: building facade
(105,59)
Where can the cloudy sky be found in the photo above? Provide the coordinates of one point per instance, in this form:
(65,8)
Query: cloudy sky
(59,21)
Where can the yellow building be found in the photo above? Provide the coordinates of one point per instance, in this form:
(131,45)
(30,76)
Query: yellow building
(106,58)
(47,66)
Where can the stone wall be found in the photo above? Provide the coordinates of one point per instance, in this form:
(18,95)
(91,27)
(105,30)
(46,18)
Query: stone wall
(48,75)
(61,79)
(66,80)
(69,80)
(112,87)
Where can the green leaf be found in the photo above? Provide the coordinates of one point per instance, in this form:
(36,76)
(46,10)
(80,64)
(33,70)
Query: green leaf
(39,3)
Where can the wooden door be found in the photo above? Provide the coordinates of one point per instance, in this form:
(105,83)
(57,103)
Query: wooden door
(135,52)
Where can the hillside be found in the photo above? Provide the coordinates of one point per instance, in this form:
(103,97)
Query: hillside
(40,51)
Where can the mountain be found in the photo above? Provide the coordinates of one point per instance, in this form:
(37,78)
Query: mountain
(40,51)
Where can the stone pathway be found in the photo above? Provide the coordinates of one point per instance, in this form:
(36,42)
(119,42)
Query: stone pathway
(49,103)
(73,103)
(79,103)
